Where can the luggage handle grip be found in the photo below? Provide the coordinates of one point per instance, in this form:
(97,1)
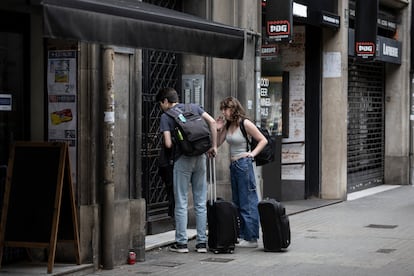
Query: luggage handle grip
(213,183)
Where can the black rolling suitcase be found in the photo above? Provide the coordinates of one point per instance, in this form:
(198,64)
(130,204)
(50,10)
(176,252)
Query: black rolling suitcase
(222,218)
(275,225)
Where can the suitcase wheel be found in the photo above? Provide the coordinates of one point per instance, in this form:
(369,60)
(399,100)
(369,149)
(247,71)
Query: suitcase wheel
(217,251)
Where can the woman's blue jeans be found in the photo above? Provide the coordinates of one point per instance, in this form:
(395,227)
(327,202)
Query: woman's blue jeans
(190,170)
(243,186)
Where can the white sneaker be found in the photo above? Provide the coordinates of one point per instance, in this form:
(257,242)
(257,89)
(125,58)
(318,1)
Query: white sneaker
(247,244)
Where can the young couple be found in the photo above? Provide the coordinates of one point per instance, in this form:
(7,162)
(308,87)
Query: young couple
(192,169)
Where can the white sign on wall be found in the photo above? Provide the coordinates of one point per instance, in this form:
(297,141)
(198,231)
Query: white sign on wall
(5,102)
(332,65)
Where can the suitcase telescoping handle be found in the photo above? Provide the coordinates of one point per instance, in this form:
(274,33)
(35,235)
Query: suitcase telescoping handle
(213,183)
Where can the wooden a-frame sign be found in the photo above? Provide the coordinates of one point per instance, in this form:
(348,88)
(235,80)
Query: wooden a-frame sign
(39,205)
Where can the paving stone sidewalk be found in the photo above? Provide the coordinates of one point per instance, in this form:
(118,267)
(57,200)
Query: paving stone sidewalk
(372,235)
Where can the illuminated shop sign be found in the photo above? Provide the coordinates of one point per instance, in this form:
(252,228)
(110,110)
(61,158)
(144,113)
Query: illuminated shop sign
(279,20)
(385,49)
(366,15)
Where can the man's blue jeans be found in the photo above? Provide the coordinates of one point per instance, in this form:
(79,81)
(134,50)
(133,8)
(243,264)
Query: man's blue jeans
(190,170)
(243,186)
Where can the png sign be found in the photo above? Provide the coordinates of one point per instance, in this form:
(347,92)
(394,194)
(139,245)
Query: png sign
(279,20)
(365,49)
(366,14)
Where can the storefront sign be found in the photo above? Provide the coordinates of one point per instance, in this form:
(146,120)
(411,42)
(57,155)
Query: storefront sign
(366,15)
(330,20)
(320,13)
(270,50)
(387,49)
(279,20)
(300,10)
(384,21)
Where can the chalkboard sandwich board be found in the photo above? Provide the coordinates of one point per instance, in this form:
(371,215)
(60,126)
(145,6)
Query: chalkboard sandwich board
(38,206)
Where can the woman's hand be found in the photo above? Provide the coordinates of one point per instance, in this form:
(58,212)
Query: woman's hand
(221,130)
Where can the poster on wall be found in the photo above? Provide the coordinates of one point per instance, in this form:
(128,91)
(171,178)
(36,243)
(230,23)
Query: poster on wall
(62,92)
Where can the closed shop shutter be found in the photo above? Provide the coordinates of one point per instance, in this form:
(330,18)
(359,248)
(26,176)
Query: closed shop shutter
(365,125)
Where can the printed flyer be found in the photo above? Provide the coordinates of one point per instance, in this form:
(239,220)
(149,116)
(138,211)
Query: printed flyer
(62,92)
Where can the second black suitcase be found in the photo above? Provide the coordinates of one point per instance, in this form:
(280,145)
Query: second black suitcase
(222,219)
(275,225)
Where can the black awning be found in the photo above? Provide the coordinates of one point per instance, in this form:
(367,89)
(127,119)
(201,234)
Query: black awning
(132,23)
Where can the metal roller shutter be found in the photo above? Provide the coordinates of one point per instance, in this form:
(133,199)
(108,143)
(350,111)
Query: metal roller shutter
(365,125)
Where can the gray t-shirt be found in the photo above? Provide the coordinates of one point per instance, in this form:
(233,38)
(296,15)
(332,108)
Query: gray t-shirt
(237,143)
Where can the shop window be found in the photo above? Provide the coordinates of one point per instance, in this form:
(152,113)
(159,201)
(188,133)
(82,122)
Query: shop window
(274,103)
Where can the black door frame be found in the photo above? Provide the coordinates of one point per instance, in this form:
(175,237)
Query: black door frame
(313,73)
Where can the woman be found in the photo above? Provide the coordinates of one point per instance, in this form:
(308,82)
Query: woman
(243,181)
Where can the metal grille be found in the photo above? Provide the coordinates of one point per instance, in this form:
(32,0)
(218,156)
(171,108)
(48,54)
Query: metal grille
(160,69)
(365,125)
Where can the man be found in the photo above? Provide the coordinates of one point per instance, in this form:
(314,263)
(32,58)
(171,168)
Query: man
(187,169)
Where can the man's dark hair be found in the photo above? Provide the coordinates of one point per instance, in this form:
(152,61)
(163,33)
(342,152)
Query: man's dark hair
(167,93)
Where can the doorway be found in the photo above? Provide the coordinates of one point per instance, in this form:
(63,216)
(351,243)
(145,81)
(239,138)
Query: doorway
(14,96)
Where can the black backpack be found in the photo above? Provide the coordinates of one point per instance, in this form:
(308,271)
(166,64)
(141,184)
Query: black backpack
(191,131)
(267,155)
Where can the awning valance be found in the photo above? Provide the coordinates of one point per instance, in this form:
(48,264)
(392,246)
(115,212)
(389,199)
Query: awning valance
(136,24)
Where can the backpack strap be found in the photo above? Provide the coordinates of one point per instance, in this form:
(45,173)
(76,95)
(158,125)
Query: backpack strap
(243,130)
(173,112)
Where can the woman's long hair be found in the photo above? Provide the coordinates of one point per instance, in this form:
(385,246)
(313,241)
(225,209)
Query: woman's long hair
(237,110)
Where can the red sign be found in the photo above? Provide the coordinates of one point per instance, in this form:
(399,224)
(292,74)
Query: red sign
(279,20)
(366,25)
(278,28)
(364,48)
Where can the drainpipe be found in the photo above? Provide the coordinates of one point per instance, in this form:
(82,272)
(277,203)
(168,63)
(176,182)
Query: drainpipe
(257,75)
(257,72)
(108,159)
(412,130)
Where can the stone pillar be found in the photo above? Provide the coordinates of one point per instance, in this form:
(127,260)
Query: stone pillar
(397,109)
(334,109)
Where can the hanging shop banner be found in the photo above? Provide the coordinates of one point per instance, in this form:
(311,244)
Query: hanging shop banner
(269,50)
(387,49)
(279,20)
(329,19)
(62,92)
(366,14)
